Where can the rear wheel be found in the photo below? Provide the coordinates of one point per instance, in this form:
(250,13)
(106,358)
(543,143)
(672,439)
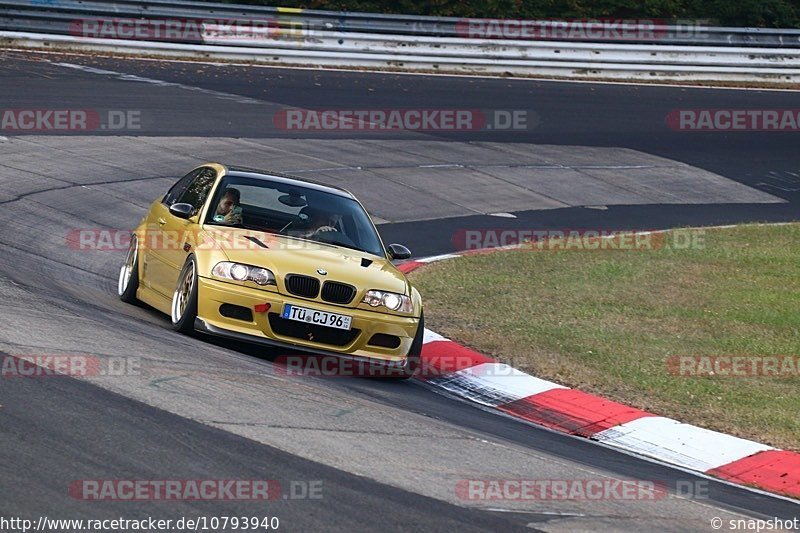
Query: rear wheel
(184,300)
(128,282)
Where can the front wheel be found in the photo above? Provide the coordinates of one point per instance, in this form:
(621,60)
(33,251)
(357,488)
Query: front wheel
(128,282)
(414,353)
(184,300)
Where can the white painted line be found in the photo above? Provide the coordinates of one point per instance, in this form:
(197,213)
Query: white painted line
(332,169)
(437,258)
(161,83)
(677,443)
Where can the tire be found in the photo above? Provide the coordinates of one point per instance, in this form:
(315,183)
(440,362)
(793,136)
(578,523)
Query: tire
(184,299)
(414,353)
(128,282)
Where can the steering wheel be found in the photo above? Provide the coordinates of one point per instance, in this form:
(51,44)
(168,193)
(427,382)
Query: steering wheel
(334,237)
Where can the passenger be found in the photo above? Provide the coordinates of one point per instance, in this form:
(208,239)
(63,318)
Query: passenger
(228,210)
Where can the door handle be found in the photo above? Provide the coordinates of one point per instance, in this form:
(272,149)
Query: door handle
(161,221)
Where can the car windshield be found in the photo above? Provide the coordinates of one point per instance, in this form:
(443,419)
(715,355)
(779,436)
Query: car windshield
(295,211)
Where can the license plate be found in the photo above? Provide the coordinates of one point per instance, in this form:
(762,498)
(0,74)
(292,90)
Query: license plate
(312,316)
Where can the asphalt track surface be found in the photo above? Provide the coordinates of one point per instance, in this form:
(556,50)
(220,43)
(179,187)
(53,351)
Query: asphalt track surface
(389,455)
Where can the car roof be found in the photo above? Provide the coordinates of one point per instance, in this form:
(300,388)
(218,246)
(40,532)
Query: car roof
(277,177)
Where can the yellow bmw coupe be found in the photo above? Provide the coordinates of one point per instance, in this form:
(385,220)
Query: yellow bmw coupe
(278,260)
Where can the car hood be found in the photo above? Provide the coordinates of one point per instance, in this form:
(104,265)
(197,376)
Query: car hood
(285,255)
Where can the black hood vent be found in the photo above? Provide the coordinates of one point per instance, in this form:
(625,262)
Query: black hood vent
(256,241)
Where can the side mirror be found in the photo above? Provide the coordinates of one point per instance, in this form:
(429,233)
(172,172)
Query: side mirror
(181,210)
(398,251)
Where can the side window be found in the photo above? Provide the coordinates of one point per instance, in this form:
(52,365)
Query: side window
(178,189)
(197,191)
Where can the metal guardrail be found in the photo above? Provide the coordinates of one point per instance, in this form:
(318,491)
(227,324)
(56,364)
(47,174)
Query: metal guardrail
(16,14)
(578,48)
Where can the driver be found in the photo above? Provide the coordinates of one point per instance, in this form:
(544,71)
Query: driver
(320,221)
(228,210)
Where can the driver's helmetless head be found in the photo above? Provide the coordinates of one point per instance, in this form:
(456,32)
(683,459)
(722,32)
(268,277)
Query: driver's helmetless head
(327,219)
(321,217)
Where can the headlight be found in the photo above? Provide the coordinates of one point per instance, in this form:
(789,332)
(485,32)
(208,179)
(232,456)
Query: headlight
(240,272)
(390,300)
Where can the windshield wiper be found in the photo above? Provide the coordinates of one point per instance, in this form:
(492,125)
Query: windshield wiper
(348,247)
(332,244)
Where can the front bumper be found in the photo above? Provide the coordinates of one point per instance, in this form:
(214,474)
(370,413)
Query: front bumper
(212,294)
